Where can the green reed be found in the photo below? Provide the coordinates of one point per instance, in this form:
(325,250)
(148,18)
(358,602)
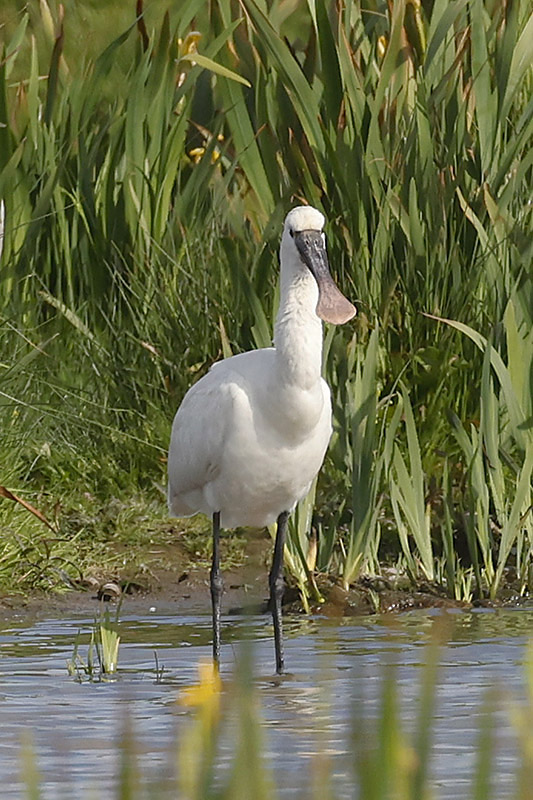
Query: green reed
(143,191)
(101,660)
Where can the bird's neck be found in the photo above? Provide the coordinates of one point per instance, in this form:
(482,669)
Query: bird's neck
(298,331)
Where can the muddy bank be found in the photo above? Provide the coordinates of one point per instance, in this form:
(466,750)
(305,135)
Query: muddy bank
(172,575)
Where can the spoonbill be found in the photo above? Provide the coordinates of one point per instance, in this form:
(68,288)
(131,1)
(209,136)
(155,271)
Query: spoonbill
(251,435)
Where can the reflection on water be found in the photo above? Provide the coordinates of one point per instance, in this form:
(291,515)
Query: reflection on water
(337,667)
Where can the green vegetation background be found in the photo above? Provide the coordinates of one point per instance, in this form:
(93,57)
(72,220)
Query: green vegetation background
(144,180)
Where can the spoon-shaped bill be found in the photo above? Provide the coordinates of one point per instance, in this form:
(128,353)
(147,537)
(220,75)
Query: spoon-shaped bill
(332,305)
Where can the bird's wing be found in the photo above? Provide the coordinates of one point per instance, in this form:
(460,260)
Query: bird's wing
(197,439)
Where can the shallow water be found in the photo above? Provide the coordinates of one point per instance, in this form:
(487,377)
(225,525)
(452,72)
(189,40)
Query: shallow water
(337,668)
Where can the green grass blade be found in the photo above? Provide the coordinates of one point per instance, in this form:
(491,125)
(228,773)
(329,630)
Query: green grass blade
(217,69)
(302,95)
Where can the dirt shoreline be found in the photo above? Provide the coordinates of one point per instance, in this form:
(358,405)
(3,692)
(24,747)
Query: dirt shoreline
(186,586)
(191,595)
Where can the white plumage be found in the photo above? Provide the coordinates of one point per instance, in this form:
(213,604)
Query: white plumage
(251,435)
(256,446)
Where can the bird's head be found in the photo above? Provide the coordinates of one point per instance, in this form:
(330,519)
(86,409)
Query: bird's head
(303,243)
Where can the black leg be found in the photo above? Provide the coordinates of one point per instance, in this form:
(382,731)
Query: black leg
(277,586)
(216,587)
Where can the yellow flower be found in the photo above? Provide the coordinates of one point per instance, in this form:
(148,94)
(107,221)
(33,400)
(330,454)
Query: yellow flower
(186,47)
(197,153)
(205,695)
(197,750)
(382,46)
(189,44)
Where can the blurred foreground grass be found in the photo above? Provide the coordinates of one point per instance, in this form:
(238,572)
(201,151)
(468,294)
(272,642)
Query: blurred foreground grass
(390,760)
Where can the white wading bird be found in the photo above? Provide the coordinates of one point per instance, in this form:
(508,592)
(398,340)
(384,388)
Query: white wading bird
(251,435)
